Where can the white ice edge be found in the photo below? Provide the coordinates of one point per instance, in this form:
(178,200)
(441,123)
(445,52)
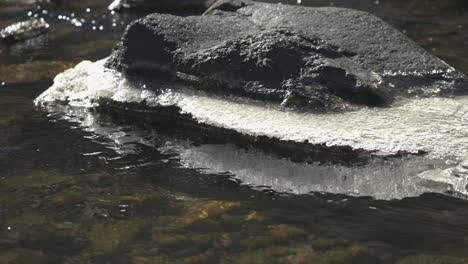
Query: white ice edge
(437,126)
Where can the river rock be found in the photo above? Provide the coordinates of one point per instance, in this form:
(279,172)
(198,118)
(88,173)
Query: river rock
(160,5)
(300,57)
(24,30)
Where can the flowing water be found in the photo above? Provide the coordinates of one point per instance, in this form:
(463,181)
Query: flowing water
(81,185)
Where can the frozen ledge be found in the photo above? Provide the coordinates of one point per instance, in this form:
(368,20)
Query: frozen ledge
(436,126)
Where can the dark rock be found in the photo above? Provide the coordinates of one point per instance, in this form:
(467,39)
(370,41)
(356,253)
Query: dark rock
(228,5)
(307,58)
(161,5)
(24,30)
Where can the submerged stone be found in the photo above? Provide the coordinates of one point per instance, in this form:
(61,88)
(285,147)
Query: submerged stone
(426,259)
(24,30)
(305,58)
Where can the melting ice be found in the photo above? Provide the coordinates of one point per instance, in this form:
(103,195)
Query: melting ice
(436,126)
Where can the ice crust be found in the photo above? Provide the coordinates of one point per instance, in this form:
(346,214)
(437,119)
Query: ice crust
(436,126)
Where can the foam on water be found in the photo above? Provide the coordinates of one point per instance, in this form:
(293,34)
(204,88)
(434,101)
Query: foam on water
(436,126)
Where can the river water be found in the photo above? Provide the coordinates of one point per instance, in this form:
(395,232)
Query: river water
(90,186)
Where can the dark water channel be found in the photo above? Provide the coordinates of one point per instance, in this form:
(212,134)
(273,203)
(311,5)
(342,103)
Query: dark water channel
(78,186)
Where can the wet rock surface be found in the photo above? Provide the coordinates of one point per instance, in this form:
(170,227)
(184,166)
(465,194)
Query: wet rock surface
(159,6)
(306,58)
(24,30)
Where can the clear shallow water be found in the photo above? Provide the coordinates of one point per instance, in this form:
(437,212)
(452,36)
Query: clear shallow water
(79,186)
